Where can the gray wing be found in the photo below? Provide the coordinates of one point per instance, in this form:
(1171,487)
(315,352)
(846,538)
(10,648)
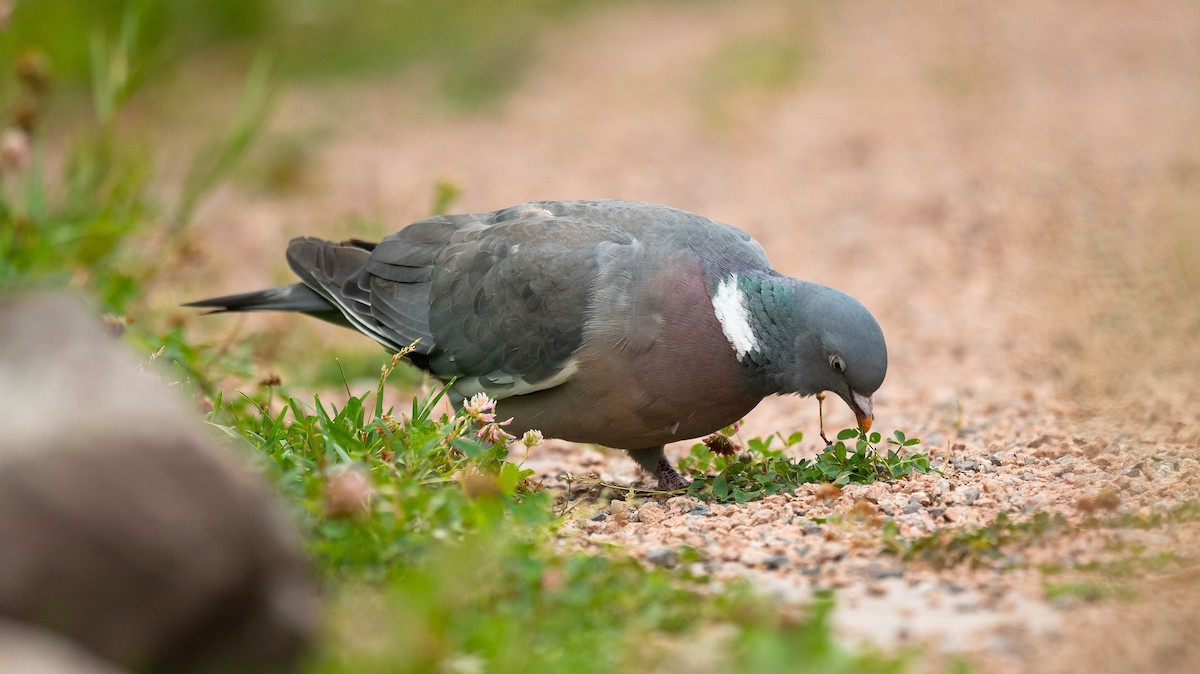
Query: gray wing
(497,300)
(509,300)
(337,272)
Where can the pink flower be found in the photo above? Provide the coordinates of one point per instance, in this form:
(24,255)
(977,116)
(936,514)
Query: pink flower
(494,434)
(480,408)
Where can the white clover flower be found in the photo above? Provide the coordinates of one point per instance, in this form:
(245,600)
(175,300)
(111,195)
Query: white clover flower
(531,438)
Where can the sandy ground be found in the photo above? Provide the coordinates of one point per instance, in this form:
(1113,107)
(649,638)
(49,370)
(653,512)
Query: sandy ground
(1012,188)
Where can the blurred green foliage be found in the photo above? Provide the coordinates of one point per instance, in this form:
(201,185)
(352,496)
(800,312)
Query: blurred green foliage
(94,220)
(476,49)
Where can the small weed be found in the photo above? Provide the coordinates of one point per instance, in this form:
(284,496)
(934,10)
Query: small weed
(1085,590)
(980,545)
(765,469)
(1188,511)
(976,545)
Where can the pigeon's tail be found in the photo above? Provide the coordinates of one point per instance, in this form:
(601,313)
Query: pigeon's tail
(296,297)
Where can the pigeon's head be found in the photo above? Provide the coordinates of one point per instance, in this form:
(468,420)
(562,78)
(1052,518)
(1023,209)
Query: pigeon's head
(838,347)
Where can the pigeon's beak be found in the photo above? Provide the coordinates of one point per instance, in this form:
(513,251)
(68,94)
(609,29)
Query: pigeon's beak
(861,405)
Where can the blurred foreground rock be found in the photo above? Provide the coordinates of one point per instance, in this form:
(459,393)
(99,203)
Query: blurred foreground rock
(122,526)
(30,650)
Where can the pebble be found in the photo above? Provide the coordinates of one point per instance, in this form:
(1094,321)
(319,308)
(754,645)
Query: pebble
(651,513)
(664,557)
(762,517)
(776,561)
(832,551)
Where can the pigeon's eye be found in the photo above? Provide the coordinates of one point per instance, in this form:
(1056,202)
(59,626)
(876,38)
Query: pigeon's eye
(835,361)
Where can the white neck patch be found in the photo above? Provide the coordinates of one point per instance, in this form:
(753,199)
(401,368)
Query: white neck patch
(729,304)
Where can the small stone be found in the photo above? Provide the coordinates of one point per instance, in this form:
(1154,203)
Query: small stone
(776,561)
(832,552)
(681,504)
(651,513)
(699,510)
(876,492)
(969,494)
(600,516)
(880,571)
(664,557)
(811,530)
(762,517)
(1134,472)
(913,505)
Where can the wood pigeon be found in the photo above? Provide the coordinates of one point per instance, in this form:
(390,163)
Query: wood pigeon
(619,323)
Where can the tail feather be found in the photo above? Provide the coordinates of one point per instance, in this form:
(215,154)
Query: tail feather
(296,297)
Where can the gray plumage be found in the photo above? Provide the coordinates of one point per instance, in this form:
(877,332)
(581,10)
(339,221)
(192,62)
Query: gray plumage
(618,323)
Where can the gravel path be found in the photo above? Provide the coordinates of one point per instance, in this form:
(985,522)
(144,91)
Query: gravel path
(1012,188)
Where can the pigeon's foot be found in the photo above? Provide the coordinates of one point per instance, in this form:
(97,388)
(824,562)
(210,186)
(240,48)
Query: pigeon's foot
(669,479)
(652,460)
